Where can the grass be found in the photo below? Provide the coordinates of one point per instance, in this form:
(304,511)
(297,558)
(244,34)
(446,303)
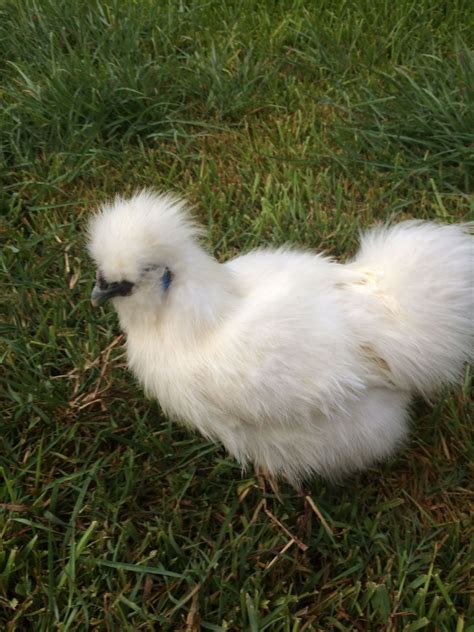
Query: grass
(282,122)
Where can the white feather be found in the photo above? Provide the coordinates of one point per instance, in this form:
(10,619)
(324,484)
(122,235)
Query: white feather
(294,362)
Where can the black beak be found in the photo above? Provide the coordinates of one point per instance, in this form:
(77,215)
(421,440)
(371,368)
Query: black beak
(101,293)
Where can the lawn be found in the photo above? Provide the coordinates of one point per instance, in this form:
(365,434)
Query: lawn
(287,121)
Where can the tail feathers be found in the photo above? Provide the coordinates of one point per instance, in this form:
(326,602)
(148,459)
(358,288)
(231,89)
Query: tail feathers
(425,276)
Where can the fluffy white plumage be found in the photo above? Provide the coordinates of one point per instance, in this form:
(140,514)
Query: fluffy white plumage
(293,361)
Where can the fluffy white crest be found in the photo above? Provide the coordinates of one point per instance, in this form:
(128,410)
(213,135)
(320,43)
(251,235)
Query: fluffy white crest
(131,234)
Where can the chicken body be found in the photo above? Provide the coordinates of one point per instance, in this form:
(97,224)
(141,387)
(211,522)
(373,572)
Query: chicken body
(294,362)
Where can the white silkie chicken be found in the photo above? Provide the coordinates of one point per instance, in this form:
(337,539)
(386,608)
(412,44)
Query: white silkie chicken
(293,361)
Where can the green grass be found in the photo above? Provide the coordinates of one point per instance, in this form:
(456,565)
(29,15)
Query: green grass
(282,122)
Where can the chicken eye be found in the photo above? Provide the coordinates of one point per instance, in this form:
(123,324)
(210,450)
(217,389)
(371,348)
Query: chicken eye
(151,267)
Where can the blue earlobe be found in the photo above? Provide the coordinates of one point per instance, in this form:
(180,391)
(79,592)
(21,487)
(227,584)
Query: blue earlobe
(166,279)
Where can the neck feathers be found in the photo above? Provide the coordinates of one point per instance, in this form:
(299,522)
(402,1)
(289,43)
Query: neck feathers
(201,297)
